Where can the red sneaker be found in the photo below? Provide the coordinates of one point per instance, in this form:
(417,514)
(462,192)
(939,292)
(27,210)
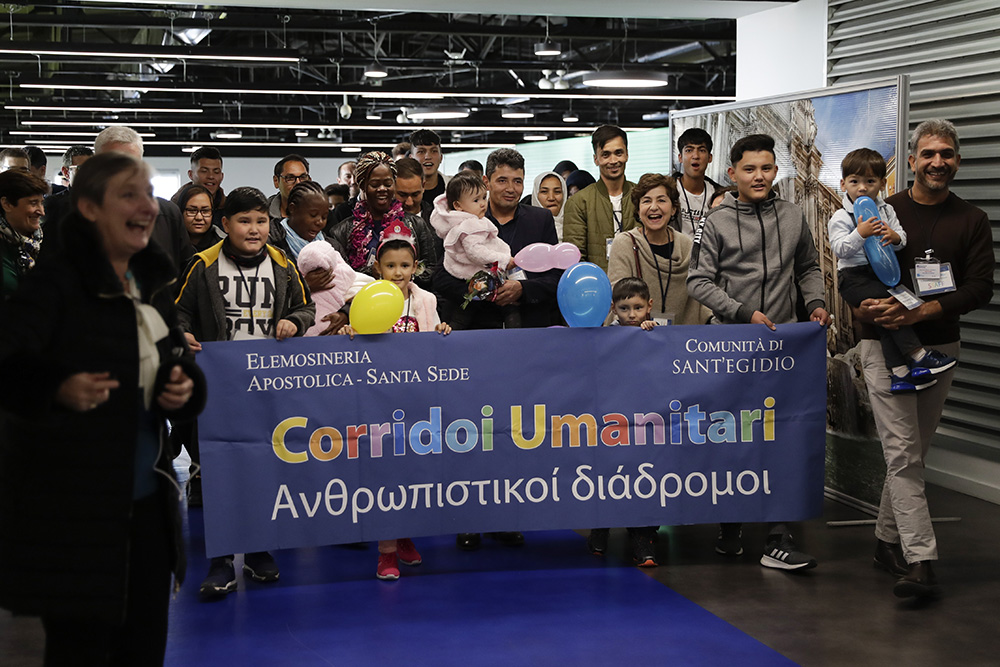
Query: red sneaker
(407,552)
(388,567)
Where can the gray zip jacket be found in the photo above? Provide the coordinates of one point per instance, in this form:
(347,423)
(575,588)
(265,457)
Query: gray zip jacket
(750,257)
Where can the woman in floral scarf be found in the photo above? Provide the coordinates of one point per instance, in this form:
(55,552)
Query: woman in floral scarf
(21,211)
(377,210)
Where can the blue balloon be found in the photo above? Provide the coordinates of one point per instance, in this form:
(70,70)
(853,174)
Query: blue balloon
(584,295)
(881,257)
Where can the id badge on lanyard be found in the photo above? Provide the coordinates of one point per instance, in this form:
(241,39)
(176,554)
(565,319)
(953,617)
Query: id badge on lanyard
(931,276)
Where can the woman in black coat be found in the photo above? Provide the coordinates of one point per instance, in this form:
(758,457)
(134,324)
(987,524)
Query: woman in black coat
(92,365)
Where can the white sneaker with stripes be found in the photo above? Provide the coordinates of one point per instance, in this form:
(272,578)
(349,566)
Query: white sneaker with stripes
(782,554)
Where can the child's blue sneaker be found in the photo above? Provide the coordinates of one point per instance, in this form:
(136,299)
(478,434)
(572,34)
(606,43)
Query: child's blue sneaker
(934,362)
(909,384)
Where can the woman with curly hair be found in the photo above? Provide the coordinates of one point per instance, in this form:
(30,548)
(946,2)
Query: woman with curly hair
(377,210)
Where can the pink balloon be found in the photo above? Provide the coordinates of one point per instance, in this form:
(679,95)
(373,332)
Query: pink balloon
(564,255)
(534,257)
(539,257)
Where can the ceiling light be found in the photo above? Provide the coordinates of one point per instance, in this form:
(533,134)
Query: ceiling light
(517,113)
(299,126)
(622,79)
(371,114)
(571,117)
(376,71)
(350,149)
(301,133)
(148,53)
(437,113)
(536,137)
(476,94)
(548,48)
(91,135)
(123,109)
(227,134)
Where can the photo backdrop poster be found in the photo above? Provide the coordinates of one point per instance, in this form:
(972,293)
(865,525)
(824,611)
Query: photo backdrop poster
(813,132)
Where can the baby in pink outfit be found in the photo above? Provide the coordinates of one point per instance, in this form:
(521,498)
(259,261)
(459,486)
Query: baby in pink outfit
(472,242)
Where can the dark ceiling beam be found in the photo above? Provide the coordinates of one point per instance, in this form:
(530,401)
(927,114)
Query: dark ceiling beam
(712,31)
(502,65)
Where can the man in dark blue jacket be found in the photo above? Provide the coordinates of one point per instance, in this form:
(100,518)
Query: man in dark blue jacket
(519,226)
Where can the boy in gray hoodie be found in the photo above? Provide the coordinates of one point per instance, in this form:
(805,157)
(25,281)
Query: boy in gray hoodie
(752,256)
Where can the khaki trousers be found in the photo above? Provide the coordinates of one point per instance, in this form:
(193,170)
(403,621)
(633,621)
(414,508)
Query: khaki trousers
(906,423)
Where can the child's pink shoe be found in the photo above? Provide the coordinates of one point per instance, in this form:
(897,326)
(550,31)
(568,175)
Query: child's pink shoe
(407,552)
(388,567)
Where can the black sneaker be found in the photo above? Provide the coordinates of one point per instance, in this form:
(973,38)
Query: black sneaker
(597,541)
(221,579)
(261,567)
(194,491)
(508,538)
(782,554)
(643,546)
(468,541)
(730,541)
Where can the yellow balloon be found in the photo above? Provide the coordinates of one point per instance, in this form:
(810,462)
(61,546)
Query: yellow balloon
(376,307)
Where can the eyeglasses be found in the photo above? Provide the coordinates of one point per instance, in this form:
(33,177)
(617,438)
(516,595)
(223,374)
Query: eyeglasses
(195,212)
(292,178)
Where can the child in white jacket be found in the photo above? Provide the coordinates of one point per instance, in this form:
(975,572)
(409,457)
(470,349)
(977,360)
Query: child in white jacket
(911,365)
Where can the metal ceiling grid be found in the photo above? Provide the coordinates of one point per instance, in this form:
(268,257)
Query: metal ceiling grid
(489,57)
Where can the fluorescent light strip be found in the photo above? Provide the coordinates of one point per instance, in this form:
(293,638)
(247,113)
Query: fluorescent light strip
(310,144)
(326,126)
(152,56)
(142,87)
(15,107)
(67,134)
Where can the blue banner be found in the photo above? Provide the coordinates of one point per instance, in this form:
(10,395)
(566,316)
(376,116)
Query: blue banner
(328,440)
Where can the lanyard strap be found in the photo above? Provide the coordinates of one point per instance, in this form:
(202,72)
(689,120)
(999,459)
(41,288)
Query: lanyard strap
(659,274)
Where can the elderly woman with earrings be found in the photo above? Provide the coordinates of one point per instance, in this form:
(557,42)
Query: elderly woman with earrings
(89,520)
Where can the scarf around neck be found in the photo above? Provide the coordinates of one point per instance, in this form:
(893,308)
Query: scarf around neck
(27,246)
(240,260)
(366,233)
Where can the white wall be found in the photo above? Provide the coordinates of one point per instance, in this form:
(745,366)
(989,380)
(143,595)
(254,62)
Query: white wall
(254,171)
(781,50)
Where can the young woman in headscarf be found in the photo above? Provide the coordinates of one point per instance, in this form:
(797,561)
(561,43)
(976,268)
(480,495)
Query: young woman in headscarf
(358,237)
(550,193)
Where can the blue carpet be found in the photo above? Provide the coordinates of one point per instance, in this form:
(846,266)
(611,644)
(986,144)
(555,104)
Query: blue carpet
(544,603)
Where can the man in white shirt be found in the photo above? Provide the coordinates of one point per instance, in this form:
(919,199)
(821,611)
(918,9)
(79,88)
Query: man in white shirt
(694,154)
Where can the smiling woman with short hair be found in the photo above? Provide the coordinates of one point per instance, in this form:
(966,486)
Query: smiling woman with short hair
(89,518)
(21,211)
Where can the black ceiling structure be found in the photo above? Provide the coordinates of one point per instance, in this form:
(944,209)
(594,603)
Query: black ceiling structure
(184,76)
